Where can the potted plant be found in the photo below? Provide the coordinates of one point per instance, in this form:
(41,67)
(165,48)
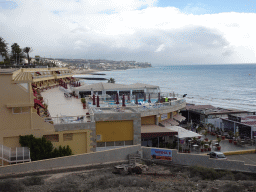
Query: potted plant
(231,135)
(209,147)
(218,147)
(236,136)
(202,145)
(205,134)
(205,147)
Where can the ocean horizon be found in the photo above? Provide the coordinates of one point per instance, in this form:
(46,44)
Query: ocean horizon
(226,86)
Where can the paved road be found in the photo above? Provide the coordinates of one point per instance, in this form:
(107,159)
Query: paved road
(247,158)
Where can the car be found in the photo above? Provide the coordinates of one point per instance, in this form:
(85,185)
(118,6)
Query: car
(217,155)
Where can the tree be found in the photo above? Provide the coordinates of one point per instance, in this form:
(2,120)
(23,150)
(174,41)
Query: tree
(3,47)
(111,80)
(17,53)
(40,148)
(27,50)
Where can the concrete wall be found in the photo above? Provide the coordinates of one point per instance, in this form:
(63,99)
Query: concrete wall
(75,160)
(203,160)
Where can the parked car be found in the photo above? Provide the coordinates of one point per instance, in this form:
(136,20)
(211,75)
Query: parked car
(217,155)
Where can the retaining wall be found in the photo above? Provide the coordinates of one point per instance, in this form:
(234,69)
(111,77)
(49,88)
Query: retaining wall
(203,160)
(71,161)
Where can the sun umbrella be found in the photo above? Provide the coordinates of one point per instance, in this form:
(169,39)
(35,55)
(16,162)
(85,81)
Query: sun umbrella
(98,101)
(117,98)
(123,101)
(93,99)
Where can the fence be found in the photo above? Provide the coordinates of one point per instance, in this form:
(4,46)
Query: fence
(19,154)
(69,119)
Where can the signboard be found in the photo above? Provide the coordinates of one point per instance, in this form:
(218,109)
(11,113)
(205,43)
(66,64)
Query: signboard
(164,116)
(163,154)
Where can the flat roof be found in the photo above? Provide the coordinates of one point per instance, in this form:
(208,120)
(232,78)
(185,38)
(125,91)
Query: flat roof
(7,71)
(113,86)
(155,129)
(211,110)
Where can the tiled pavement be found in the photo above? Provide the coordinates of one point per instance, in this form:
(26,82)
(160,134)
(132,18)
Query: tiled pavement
(225,146)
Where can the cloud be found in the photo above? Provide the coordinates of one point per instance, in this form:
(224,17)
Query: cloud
(129,30)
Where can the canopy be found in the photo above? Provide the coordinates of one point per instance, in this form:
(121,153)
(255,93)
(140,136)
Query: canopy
(168,122)
(151,131)
(179,118)
(183,133)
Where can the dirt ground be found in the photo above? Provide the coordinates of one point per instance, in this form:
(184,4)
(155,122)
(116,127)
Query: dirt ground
(157,178)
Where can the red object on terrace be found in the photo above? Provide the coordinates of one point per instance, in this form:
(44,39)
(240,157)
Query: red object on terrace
(68,78)
(38,102)
(117,98)
(136,100)
(93,99)
(34,86)
(57,72)
(38,73)
(123,101)
(98,101)
(79,84)
(145,97)
(149,101)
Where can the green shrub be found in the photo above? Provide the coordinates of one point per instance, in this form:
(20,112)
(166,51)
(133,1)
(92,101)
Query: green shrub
(33,181)
(40,148)
(207,173)
(10,185)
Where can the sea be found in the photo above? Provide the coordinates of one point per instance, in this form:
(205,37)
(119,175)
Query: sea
(226,86)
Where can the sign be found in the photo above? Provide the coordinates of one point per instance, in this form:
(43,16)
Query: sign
(163,154)
(182,141)
(164,116)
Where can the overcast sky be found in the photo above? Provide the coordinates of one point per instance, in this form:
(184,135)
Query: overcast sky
(163,32)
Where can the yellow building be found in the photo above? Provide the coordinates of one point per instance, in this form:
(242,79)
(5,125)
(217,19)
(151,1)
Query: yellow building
(23,112)
(18,90)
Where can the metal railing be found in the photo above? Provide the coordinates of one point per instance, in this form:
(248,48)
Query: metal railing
(69,119)
(17,155)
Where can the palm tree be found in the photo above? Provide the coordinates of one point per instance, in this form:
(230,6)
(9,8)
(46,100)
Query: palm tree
(111,80)
(27,50)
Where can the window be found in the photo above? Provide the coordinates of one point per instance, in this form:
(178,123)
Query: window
(52,138)
(16,110)
(101,144)
(19,110)
(128,142)
(67,136)
(119,143)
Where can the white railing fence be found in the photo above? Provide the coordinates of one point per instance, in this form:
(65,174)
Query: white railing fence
(16,155)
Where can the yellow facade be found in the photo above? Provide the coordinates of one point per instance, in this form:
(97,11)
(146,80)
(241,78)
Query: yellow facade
(18,116)
(114,130)
(148,120)
(164,116)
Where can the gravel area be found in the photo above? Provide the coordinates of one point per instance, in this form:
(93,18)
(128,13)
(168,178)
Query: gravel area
(157,178)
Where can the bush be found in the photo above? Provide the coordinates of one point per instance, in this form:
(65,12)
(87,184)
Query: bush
(10,185)
(208,173)
(40,148)
(33,181)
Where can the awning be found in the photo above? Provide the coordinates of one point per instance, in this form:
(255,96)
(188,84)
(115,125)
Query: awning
(183,133)
(169,122)
(179,118)
(152,131)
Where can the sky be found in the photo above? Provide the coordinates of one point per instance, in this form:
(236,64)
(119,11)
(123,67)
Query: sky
(162,32)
